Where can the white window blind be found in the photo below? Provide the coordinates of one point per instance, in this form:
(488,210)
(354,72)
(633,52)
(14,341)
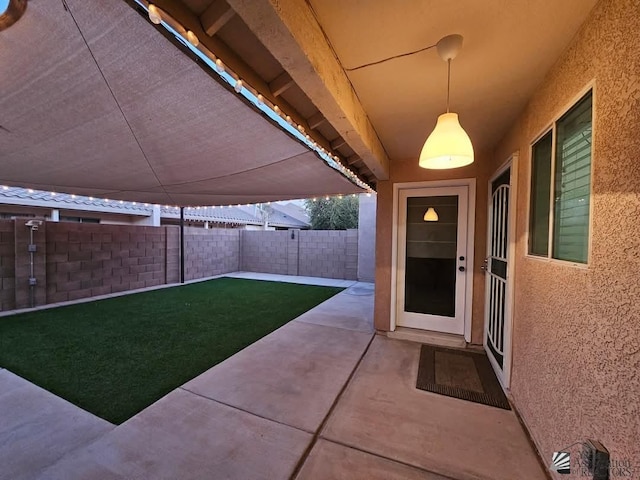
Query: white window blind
(573,183)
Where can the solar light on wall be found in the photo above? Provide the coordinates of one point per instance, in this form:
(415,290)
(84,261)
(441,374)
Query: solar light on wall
(219,66)
(260,99)
(154,14)
(238,86)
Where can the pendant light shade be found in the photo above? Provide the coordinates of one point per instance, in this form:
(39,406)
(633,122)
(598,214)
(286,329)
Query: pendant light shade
(430,215)
(448,146)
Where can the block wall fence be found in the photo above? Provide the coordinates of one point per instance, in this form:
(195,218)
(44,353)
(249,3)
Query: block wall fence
(80,260)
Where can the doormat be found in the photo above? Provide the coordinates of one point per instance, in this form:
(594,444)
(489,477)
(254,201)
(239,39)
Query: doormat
(462,374)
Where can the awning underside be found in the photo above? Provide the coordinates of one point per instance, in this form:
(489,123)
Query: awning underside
(108,107)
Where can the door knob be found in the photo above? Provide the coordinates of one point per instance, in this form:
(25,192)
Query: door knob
(461,268)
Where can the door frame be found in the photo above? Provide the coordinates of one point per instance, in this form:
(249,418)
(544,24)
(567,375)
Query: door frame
(471,220)
(504,374)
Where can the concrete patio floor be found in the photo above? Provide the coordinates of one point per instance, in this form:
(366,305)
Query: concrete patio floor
(323,397)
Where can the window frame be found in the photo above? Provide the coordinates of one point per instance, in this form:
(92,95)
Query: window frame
(551,127)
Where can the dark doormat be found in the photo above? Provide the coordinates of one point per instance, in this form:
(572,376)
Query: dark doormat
(461,374)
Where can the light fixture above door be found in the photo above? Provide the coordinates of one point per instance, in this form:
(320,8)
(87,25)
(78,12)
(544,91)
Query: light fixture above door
(448,146)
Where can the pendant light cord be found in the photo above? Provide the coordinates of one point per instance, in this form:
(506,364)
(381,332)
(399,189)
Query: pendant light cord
(353,69)
(448,81)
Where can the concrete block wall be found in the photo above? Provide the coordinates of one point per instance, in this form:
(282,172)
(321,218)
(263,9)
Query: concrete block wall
(265,251)
(351,261)
(7,265)
(172,254)
(80,260)
(323,253)
(211,252)
(84,260)
(315,253)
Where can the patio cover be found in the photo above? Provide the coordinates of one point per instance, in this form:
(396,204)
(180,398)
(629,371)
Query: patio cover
(94,101)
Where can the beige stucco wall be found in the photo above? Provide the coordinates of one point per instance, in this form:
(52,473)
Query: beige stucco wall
(576,337)
(409,171)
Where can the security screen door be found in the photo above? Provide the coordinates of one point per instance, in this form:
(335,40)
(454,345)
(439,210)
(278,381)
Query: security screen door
(432,253)
(496,339)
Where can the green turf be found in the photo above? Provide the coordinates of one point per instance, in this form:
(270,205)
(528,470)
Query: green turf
(115,357)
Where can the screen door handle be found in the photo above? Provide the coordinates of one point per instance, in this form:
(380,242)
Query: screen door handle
(485,264)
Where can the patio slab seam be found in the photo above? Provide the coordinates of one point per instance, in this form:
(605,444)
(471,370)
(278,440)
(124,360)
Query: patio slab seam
(244,410)
(395,460)
(316,435)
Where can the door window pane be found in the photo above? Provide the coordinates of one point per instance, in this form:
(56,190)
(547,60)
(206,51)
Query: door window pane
(573,183)
(540,196)
(430,273)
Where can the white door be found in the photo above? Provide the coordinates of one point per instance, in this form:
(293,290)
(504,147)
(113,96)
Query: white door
(432,254)
(497,340)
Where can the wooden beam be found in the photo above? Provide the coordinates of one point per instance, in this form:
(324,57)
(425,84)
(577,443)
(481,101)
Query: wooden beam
(337,143)
(316,120)
(353,159)
(281,84)
(292,34)
(216,16)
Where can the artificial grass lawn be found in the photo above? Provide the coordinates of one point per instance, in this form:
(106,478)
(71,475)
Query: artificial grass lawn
(115,357)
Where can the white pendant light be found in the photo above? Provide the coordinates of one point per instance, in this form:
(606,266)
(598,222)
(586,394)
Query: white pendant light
(430,215)
(448,146)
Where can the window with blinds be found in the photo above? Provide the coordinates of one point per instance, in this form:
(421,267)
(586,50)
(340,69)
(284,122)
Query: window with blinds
(570,161)
(540,196)
(573,183)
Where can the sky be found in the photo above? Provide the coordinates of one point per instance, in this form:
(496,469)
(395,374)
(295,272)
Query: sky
(3,6)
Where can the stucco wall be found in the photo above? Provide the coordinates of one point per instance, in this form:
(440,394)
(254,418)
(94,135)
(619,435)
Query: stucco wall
(409,171)
(576,336)
(367,238)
